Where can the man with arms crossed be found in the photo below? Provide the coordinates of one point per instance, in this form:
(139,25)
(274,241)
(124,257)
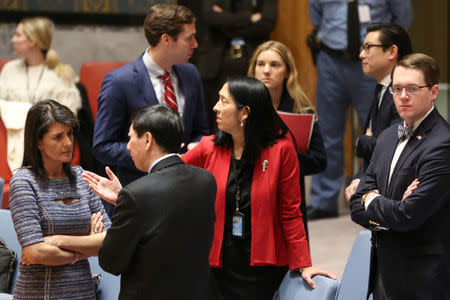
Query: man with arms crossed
(162,229)
(341,25)
(385,44)
(404,197)
(160,75)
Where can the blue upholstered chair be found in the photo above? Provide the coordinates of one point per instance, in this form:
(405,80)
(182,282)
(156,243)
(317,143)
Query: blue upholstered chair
(8,234)
(109,286)
(353,285)
(293,287)
(355,280)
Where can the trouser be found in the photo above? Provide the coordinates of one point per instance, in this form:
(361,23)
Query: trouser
(340,82)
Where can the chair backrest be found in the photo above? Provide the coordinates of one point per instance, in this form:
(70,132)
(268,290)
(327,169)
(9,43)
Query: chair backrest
(2,184)
(91,76)
(8,234)
(109,287)
(5,172)
(4,168)
(355,280)
(294,287)
(3,61)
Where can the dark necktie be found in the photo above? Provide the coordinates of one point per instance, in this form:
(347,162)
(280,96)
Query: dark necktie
(169,92)
(404,132)
(374,113)
(353,29)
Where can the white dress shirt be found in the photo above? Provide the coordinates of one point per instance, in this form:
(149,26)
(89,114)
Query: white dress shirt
(155,72)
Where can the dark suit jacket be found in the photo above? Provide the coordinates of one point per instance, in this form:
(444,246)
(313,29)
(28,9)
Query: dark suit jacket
(162,232)
(224,26)
(387,115)
(413,256)
(124,91)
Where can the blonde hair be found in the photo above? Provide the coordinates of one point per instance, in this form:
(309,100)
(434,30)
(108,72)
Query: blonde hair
(301,102)
(40,30)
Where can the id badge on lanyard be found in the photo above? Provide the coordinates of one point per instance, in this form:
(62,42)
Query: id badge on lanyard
(238,224)
(237,229)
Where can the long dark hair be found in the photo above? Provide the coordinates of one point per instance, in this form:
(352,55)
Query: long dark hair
(39,118)
(263,125)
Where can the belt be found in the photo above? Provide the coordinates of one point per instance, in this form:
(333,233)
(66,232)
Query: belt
(344,54)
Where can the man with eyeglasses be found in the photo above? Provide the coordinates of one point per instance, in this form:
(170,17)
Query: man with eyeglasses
(404,197)
(385,44)
(341,26)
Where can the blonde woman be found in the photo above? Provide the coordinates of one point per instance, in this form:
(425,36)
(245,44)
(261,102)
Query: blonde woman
(273,63)
(37,74)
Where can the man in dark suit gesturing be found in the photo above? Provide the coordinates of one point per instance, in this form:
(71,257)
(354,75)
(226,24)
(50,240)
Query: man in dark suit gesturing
(404,197)
(162,229)
(160,75)
(385,44)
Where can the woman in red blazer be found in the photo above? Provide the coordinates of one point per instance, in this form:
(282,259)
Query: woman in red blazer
(258,233)
(259,229)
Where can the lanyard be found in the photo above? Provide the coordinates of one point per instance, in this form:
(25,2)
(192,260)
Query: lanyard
(31,98)
(237,196)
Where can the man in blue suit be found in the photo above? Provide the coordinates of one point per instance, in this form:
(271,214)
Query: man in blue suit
(385,44)
(404,197)
(170,32)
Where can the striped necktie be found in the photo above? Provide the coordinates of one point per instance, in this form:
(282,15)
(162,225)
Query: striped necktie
(169,92)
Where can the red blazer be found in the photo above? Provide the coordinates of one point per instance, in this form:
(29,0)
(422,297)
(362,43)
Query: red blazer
(278,235)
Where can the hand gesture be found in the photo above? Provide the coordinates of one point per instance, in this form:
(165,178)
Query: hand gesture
(310,272)
(107,189)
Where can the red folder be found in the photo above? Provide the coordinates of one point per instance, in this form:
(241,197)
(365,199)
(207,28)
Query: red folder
(301,126)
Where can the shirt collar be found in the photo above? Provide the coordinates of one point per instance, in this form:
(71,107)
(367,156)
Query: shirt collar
(418,122)
(153,69)
(386,81)
(160,159)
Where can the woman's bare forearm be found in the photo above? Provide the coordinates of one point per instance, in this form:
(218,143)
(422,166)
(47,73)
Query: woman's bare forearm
(86,245)
(45,254)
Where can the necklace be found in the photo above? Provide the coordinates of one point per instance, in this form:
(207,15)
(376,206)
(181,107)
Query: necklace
(32,97)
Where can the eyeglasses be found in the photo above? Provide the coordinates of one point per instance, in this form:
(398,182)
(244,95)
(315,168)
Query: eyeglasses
(367,47)
(410,90)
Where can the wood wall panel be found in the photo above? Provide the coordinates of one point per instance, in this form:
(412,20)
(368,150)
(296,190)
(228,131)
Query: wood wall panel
(292,28)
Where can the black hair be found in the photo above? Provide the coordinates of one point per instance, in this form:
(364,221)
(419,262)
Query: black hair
(39,118)
(392,34)
(263,125)
(163,123)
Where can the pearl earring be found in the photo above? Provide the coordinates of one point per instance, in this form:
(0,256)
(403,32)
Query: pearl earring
(242,123)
